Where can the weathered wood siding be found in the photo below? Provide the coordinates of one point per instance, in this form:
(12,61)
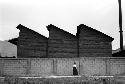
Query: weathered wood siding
(61,43)
(31,44)
(93,44)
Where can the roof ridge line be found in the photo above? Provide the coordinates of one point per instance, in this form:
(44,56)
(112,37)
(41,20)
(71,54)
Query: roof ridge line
(85,26)
(20,25)
(51,25)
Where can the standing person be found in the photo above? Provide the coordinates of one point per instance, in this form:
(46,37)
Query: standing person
(75,72)
(104,81)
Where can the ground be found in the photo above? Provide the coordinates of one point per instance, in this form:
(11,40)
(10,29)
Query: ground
(62,80)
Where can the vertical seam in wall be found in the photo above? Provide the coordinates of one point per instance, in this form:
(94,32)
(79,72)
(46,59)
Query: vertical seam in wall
(53,67)
(109,65)
(2,68)
(107,62)
(78,46)
(106,67)
(79,66)
(28,67)
(18,42)
(47,48)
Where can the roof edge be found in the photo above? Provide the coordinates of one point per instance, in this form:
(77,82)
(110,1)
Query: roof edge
(21,26)
(52,26)
(87,27)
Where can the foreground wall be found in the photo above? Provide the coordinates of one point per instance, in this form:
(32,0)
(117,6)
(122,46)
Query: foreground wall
(117,66)
(93,66)
(62,66)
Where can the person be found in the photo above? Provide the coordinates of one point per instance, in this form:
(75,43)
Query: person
(104,81)
(75,71)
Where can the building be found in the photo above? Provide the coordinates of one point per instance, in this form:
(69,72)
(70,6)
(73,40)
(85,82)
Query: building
(93,43)
(31,44)
(90,50)
(87,42)
(61,43)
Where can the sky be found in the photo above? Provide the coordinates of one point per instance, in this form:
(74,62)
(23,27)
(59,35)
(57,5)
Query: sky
(101,15)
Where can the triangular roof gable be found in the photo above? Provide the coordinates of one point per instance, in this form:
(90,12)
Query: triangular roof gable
(20,27)
(84,27)
(13,41)
(66,33)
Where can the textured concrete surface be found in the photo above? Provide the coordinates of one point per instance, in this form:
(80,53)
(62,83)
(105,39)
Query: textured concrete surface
(62,66)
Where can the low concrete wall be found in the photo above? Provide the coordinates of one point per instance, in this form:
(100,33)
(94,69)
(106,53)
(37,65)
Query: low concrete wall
(13,67)
(92,66)
(65,66)
(41,67)
(62,66)
(117,66)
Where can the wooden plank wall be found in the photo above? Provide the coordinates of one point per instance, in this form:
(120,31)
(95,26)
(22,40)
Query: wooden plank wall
(31,45)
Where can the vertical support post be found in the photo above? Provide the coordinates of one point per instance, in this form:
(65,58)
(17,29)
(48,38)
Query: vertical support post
(78,46)
(107,63)
(47,49)
(120,25)
(79,67)
(28,68)
(77,35)
(55,66)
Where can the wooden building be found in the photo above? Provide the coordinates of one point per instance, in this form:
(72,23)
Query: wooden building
(87,42)
(61,43)
(93,43)
(31,44)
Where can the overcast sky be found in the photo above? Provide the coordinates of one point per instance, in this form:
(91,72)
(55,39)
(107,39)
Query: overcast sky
(65,14)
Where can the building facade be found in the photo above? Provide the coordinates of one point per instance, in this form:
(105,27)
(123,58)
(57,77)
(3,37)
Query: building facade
(31,44)
(87,42)
(93,43)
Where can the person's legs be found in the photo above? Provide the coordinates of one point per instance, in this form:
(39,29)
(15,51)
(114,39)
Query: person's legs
(75,72)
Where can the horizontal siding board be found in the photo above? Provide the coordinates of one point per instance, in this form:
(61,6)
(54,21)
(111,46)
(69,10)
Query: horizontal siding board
(31,44)
(95,55)
(62,55)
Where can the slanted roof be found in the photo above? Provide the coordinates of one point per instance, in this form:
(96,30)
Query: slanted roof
(20,27)
(13,41)
(84,27)
(66,33)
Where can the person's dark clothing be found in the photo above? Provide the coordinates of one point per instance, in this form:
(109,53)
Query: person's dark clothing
(75,72)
